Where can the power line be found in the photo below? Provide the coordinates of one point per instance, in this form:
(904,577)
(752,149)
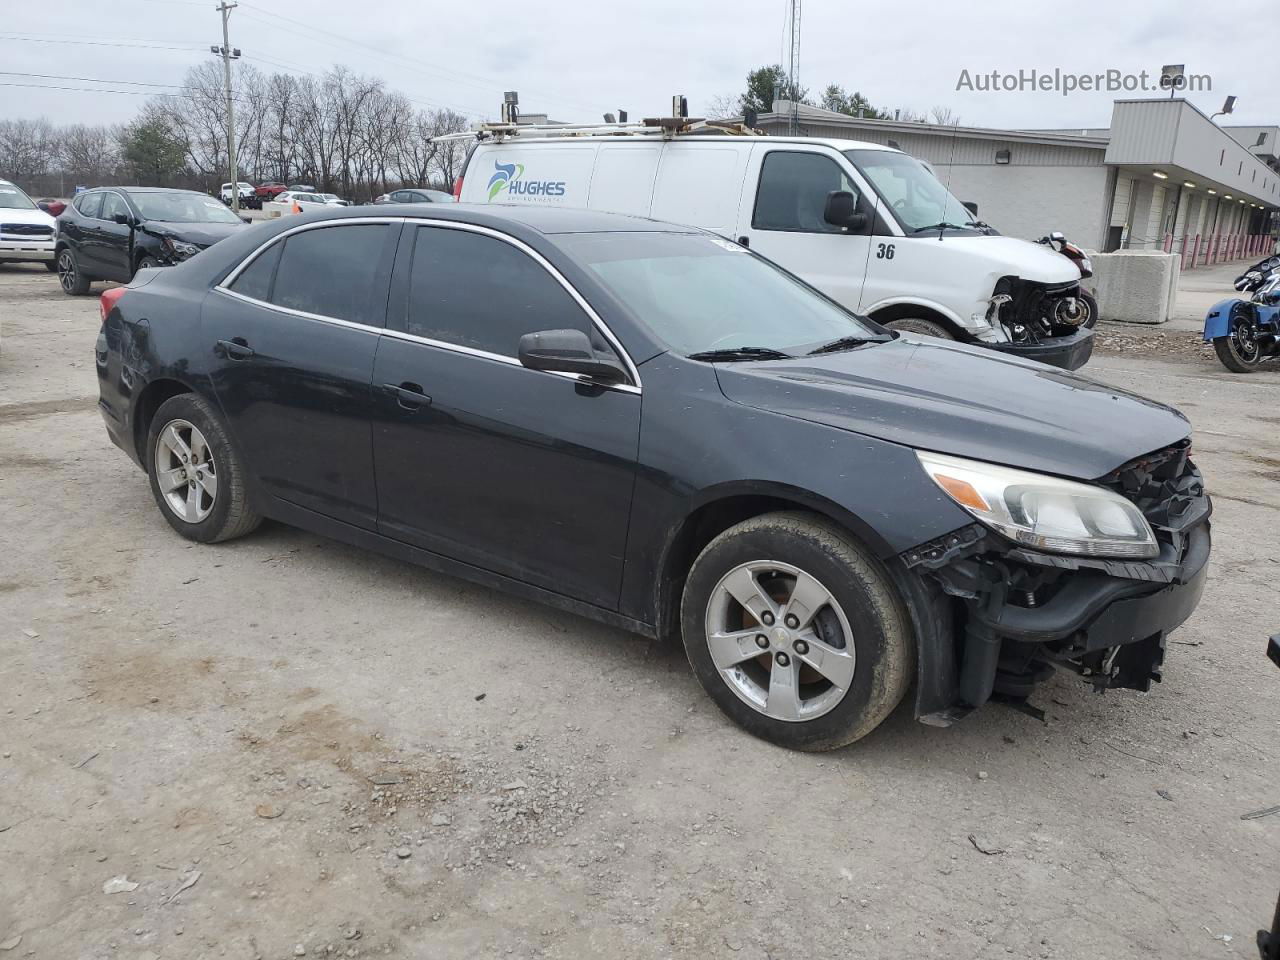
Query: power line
(58,76)
(104,43)
(131,93)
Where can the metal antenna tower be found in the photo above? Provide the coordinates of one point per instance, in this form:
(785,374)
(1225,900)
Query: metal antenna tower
(793,66)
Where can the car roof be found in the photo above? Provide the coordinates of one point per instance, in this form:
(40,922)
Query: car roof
(837,143)
(196,193)
(547,220)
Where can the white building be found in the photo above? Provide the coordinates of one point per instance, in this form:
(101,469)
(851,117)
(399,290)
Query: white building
(1160,176)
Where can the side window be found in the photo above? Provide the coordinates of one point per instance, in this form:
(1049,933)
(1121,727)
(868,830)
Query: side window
(330,271)
(480,292)
(89,204)
(793,192)
(112,203)
(255,279)
(402,196)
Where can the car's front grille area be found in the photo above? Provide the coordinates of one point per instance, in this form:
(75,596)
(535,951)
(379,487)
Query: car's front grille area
(26,230)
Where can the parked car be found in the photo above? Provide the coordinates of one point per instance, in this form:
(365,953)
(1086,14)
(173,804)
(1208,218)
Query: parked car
(26,231)
(51,205)
(824,510)
(865,223)
(270,190)
(113,232)
(301,188)
(416,195)
(334,200)
(300,198)
(247,191)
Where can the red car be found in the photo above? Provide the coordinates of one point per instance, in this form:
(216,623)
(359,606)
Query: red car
(269,191)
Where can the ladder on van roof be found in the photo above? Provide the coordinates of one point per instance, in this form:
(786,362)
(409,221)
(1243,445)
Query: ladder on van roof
(666,128)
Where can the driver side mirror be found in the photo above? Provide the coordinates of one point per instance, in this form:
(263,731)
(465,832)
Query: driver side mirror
(841,210)
(971,206)
(568,351)
(123,219)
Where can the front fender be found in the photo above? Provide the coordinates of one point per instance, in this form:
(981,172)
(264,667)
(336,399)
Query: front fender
(930,305)
(1217,322)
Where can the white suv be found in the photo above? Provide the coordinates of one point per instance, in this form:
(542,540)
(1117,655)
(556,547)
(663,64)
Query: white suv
(27,233)
(247,192)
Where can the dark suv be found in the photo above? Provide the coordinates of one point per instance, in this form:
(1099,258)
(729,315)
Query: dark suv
(113,232)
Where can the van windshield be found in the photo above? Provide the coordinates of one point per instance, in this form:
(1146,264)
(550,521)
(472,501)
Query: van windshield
(916,196)
(700,293)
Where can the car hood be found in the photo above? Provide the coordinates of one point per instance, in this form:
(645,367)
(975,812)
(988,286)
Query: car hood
(965,401)
(1011,256)
(201,234)
(37,216)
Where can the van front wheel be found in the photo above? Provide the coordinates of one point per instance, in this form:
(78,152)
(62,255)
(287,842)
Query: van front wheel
(930,328)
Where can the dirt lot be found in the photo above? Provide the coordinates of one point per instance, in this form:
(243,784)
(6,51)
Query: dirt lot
(292,745)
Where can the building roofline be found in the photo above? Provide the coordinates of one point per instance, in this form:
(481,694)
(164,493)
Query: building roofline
(817,114)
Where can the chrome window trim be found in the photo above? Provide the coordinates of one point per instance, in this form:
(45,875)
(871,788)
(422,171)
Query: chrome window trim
(634,387)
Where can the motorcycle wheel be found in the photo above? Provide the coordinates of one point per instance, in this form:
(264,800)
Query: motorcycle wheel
(1091,305)
(1239,350)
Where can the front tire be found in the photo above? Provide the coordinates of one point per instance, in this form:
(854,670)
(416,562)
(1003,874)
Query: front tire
(930,328)
(146,263)
(70,276)
(796,632)
(1239,350)
(197,478)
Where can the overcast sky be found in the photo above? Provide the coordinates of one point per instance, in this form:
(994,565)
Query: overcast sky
(577,58)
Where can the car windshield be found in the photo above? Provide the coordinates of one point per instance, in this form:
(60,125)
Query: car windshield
(701,293)
(11,198)
(914,193)
(182,208)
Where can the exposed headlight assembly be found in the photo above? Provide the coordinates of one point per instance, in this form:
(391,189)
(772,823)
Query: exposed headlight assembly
(1043,512)
(180,249)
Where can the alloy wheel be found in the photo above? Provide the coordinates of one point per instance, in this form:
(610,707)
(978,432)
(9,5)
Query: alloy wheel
(185,471)
(1244,341)
(67,271)
(780,640)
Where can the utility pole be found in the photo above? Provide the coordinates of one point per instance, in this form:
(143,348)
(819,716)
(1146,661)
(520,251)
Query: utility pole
(227,54)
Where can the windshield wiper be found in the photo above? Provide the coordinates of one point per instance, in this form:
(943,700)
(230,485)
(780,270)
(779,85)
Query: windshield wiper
(847,343)
(740,353)
(943,226)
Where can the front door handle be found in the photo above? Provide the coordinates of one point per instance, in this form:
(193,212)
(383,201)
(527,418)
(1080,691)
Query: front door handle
(236,349)
(409,396)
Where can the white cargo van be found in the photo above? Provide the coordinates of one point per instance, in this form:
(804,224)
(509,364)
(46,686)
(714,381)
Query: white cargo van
(868,225)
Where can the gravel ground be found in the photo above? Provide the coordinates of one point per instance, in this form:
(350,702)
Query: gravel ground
(289,747)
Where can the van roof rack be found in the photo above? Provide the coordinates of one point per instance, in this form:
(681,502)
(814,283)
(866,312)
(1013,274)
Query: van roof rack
(666,128)
(679,124)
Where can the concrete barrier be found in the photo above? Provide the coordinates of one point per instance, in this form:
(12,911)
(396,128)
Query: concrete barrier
(1135,286)
(271,209)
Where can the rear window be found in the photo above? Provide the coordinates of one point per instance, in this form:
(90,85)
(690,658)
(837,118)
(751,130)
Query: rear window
(255,280)
(88,204)
(331,272)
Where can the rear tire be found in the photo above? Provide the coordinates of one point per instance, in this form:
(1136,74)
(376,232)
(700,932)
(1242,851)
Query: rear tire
(930,328)
(850,625)
(70,276)
(197,477)
(1239,350)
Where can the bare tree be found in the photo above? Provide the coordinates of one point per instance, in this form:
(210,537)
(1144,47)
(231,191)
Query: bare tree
(944,116)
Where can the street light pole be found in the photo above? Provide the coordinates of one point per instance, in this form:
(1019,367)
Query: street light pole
(225,9)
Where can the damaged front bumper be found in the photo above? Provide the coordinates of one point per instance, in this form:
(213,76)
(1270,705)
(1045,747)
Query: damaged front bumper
(1011,615)
(1069,352)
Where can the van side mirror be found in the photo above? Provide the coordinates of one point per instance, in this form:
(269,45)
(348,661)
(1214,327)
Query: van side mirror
(568,351)
(971,206)
(841,210)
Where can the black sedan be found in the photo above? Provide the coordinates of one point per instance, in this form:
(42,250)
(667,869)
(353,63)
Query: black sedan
(113,232)
(655,427)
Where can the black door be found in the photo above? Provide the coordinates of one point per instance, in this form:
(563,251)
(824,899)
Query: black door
(113,243)
(520,472)
(293,347)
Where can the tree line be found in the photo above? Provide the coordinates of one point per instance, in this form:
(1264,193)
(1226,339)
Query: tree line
(770,82)
(343,132)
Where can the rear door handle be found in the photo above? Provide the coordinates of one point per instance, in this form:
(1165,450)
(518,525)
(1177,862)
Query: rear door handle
(408,395)
(237,349)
